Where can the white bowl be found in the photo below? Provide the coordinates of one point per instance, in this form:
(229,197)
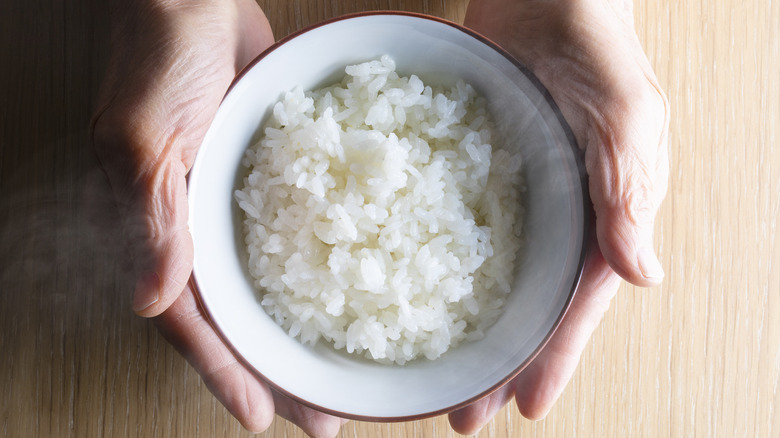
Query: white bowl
(555,224)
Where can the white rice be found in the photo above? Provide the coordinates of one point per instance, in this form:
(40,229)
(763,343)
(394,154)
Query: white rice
(379,217)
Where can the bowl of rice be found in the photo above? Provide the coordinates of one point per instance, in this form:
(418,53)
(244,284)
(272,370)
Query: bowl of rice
(389,216)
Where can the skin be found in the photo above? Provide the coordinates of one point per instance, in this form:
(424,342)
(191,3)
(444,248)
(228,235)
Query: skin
(171,63)
(588,56)
(173,60)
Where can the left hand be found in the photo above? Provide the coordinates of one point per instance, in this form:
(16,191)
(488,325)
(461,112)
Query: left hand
(171,65)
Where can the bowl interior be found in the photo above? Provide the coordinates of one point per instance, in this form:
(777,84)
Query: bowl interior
(554,221)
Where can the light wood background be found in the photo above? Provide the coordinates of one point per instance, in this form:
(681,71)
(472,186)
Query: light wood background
(697,356)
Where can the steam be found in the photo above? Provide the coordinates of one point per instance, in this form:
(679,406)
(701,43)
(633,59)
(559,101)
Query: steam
(63,263)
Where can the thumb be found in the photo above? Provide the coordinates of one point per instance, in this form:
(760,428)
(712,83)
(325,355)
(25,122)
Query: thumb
(159,225)
(628,181)
(151,190)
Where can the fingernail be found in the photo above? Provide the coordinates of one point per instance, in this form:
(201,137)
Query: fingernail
(147,291)
(649,265)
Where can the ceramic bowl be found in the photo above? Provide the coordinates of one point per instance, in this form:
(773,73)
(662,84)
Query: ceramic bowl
(555,219)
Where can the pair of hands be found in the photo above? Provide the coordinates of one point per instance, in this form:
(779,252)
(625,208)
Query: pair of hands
(172,62)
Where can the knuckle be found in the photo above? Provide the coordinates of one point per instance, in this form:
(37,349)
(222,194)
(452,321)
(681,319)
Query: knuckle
(638,204)
(118,148)
(632,156)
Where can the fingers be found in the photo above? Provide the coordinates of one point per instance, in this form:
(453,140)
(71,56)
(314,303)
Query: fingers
(537,387)
(314,423)
(247,398)
(471,419)
(542,382)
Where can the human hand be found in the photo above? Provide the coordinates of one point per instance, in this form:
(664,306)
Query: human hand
(170,67)
(587,54)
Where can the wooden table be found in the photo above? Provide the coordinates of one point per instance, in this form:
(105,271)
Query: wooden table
(697,356)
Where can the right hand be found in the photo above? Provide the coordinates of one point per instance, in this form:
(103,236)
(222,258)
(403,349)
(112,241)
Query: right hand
(587,54)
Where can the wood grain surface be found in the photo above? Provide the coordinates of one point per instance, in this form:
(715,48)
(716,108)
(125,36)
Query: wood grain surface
(698,356)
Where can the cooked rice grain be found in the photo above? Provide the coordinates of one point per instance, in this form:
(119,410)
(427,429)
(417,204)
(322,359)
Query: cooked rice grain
(379,217)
